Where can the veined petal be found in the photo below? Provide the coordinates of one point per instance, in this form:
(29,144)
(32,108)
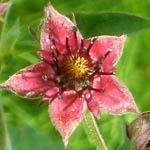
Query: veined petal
(56,28)
(102,45)
(32,81)
(3,7)
(66,113)
(113,97)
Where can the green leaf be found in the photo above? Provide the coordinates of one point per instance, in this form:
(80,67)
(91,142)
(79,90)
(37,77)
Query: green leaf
(28,56)
(10,37)
(4,139)
(28,139)
(110,23)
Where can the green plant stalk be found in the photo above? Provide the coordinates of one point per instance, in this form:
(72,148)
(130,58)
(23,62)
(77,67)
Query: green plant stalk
(94,132)
(4,139)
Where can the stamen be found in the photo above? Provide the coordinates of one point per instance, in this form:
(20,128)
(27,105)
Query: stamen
(91,44)
(76,67)
(56,63)
(81,46)
(67,43)
(107,73)
(53,47)
(102,58)
(108,52)
(102,90)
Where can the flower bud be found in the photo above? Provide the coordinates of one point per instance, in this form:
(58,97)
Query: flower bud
(139,132)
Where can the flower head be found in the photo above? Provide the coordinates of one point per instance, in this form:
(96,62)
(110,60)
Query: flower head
(75,74)
(139,132)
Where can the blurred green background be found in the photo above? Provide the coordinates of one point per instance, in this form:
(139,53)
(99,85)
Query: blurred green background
(28,125)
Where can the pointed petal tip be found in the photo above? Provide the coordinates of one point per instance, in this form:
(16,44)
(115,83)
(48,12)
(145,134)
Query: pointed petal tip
(32,81)
(4,6)
(98,117)
(48,9)
(3,86)
(67,121)
(65,142)
(124,37)
(116,99)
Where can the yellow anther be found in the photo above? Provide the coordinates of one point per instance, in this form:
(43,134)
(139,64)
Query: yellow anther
(76,67)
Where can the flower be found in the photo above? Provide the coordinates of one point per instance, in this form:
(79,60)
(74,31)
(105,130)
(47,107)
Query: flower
(3,7)
(75,74)
(139,132)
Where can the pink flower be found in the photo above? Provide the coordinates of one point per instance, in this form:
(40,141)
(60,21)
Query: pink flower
(3,7)
(75,74)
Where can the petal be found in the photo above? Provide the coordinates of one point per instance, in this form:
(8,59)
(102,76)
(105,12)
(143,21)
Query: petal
(32,81)
(45,55)
(113,97)
(92,104)
(3,7)
(50,94)
(102,45)
(57,27)
(66,113)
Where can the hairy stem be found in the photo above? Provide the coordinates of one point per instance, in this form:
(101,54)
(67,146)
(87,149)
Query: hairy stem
(4,139)
(94,132)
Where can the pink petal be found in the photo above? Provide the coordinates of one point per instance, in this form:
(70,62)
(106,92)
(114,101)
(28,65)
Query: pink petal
(114,97)
(45,55)
(66,113)
(50,94)
(3,7)
(57,27)
(93,106)
(32,81)
(102,45)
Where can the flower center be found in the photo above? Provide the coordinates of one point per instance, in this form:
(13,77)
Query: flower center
(76,67)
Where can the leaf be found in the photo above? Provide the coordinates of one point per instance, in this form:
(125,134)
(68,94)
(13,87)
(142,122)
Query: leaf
(110,23)
(25,138)
(4,139)
(28,56)
(10,37)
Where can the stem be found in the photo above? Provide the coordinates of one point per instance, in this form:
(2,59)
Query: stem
(94,132)
(4,139)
